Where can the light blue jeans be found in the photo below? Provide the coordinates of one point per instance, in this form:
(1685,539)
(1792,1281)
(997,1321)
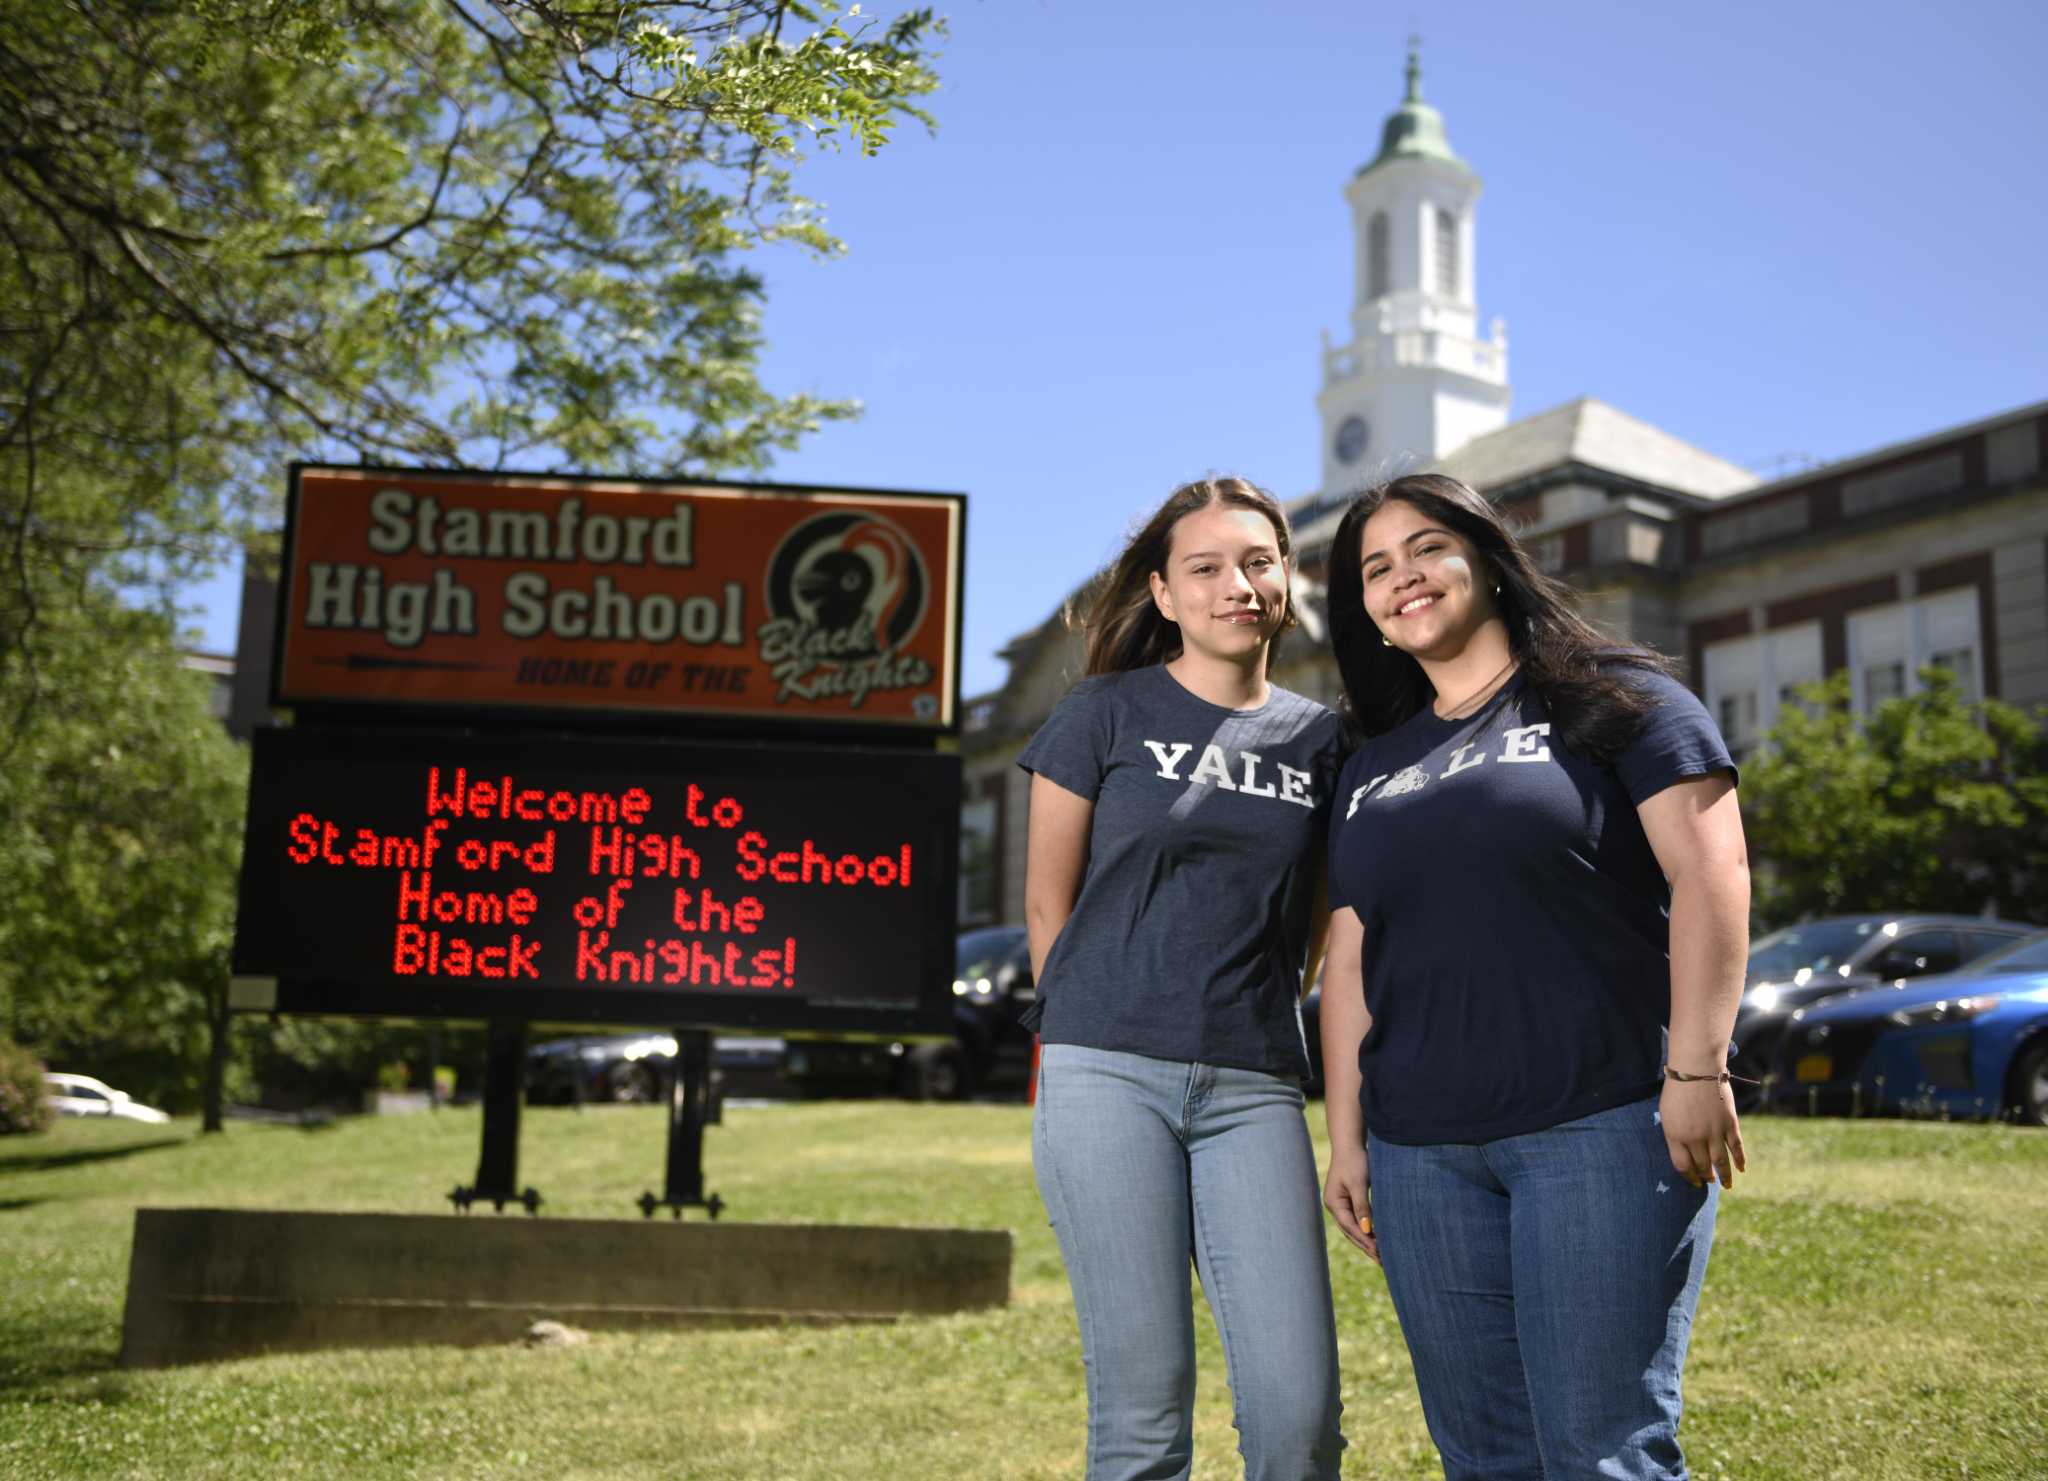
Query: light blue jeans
(1142,1162)
(1546,1286)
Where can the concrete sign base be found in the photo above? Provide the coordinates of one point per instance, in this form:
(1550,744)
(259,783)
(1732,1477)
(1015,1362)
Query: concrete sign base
(206,1284)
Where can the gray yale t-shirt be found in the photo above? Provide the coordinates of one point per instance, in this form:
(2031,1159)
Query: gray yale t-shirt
(1516,922)
(1187,940)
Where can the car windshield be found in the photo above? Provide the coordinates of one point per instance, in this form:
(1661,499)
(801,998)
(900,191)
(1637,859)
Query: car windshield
(981,951)
(1817,945)
(2028,954)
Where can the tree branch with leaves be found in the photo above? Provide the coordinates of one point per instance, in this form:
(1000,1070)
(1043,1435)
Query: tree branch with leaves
(238,232)
(487,232)
(1928,803)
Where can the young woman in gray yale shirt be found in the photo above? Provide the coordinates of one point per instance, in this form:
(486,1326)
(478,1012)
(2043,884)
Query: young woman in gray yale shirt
(1179,806)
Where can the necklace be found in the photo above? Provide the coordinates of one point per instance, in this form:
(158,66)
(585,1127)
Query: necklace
(1457,710)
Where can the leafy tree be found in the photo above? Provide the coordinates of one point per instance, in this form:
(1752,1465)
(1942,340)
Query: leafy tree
(24,1101)
(120,832)
(1930,803)
(481,231)
(235,232)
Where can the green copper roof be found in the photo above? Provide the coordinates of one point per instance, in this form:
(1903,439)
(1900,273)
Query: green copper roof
(1414,130)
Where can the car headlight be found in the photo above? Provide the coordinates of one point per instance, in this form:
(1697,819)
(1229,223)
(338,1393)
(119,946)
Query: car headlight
(1763,997)
(983,988)
(1948,1010)
(959,988)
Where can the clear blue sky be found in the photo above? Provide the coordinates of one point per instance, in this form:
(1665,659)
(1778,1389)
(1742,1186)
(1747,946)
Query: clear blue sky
(1793,229)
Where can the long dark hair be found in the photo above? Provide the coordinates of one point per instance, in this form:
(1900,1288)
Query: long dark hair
(1119,622)
(1580,674)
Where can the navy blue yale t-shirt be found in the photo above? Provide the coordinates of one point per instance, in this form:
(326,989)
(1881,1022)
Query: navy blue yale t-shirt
(1187,939)
(1516,923)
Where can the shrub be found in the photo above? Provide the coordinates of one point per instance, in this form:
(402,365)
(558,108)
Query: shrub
(24,1101)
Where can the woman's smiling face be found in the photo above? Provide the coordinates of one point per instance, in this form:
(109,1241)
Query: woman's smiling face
(1423,582)
(1225,581)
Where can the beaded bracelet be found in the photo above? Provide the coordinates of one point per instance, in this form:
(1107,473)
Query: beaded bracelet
(1719,1079)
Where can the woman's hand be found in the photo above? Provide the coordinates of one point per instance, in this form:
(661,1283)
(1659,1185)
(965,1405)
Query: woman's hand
(1702,1131)
(1347,1194)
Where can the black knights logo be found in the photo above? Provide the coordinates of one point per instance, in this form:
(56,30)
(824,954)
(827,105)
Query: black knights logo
(845,591)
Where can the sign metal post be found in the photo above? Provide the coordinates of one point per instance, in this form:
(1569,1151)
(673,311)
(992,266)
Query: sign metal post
(497,1168)
(689,1108)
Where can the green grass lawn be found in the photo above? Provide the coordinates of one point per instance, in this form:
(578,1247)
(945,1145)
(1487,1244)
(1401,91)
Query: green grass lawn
(1875,1309)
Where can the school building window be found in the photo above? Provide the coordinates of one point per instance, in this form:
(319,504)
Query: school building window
(1888,646)
(1749,680)
(1446,253)
(978,844)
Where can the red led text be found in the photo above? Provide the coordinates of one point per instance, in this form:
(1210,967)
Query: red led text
(669,963)
(520,877)
(650,855)
(504,799)
(439,954)
(709,913)
(471,907)
(809,864)
(315,838)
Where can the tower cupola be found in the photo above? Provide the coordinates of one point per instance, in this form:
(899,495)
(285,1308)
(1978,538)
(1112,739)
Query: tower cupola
(1414,130)
(1415,377)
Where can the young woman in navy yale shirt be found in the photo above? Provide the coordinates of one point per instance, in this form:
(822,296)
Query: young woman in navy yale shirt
(1540,901)
(1179,804)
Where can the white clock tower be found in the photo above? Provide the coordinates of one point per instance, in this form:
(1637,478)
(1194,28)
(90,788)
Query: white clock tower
(1416,381)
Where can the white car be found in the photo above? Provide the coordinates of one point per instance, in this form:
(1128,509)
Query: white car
(81,1095)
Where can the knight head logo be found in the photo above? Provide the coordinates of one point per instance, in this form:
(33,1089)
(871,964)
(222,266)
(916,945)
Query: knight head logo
(853,575)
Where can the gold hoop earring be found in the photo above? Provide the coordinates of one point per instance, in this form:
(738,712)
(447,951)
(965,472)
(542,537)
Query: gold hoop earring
(1383,641)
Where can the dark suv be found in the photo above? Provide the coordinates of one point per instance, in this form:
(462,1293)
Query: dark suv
(989,1049)
(1817,959)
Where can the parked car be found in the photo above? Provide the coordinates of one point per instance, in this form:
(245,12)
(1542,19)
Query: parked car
(989,1049)
(1970,1043)
(82,1095)
(638,1067)
(1802,964)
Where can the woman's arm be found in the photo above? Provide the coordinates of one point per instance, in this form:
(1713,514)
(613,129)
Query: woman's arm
(1695,829)
(1055,861)
(1347,1191)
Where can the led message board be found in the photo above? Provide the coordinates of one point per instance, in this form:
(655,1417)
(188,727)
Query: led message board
(513,591)
(445,875)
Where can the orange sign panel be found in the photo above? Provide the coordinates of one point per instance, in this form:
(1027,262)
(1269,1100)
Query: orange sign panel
(516,591)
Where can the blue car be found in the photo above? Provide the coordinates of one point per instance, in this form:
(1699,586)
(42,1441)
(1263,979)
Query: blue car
(1966,1044)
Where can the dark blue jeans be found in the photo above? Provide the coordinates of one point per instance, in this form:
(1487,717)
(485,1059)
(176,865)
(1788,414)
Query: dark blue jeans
(1546,1286)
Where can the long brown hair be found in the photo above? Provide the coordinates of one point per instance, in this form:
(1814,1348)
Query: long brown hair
(1579,673)
(1120,624)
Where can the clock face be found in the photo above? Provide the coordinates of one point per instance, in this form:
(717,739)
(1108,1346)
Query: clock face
(1352,436)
